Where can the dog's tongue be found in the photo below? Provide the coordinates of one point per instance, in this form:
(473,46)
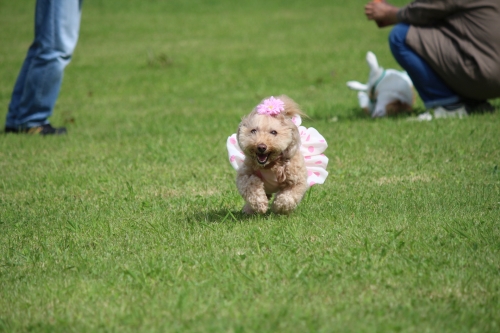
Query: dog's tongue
(262,157)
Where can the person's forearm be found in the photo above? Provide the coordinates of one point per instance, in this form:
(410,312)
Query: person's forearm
(382,13)
(391,16)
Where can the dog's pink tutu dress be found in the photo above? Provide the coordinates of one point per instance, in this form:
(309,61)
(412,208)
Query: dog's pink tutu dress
(313,144)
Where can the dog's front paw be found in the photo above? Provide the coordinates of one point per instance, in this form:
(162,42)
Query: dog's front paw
(259,208)
(284,204)
(247,209)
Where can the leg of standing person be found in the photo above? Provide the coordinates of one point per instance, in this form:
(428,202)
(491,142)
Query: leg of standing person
(431,88)
(57,24)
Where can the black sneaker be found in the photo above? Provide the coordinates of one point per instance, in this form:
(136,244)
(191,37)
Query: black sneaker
(478,106)
(46,129)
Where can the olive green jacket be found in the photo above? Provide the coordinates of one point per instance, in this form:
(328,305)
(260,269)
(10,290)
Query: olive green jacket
(460,40)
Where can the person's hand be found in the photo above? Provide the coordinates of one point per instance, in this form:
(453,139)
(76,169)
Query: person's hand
(381,12)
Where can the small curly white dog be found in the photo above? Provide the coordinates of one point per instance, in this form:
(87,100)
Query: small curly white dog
(273,154)
(388,91)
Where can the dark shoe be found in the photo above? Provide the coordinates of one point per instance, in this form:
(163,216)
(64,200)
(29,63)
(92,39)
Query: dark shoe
(475,106)
(46,129)
(10,130)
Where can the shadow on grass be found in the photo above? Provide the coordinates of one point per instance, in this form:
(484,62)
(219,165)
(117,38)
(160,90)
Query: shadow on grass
(357,114)
(344,113)
(331,116)
(217,216)
(222,216)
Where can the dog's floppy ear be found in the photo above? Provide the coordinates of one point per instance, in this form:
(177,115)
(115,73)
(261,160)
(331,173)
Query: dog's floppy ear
(291,109)
(355,85)
(243,123)
(291,150)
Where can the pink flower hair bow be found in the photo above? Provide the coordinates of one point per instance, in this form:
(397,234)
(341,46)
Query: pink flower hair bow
(271,106)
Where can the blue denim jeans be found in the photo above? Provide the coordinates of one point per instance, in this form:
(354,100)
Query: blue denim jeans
(57,23)
(431,88)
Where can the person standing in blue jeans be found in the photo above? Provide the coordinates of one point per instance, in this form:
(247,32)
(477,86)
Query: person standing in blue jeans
(57,24)
(449,48)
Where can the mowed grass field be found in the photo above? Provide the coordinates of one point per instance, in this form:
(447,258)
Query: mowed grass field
(132,222)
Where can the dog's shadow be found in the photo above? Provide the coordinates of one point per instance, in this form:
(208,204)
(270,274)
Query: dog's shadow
(217,216)
(222,216)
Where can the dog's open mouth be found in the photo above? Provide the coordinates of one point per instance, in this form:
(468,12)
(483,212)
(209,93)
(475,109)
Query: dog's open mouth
(262,158)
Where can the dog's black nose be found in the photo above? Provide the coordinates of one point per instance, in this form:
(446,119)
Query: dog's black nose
(261,148)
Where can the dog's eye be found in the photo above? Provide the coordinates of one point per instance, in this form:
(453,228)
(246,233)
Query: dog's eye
(253,131)
(274,132)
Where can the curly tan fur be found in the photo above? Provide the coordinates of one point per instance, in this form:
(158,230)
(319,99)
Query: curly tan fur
(271,144)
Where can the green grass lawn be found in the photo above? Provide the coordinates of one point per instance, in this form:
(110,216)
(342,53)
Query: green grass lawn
(132,223)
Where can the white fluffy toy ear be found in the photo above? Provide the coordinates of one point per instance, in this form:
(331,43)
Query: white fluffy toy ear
(355,85)
(371,59)
(375,70)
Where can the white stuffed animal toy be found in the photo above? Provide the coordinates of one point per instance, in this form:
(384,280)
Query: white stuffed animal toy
(387,92)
